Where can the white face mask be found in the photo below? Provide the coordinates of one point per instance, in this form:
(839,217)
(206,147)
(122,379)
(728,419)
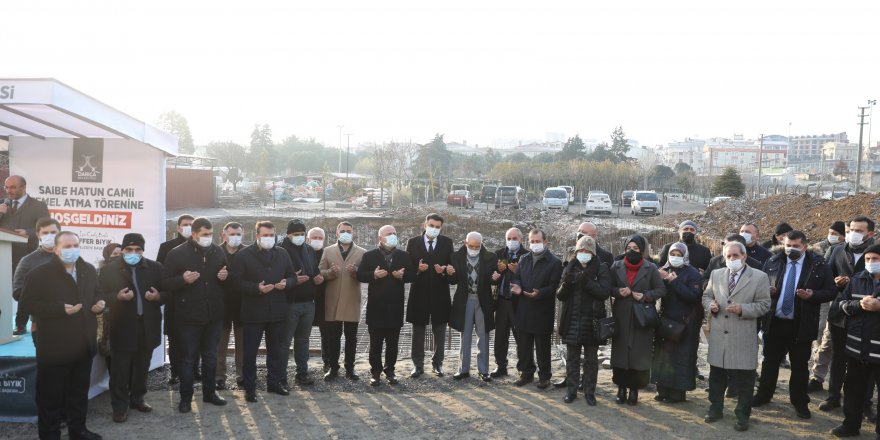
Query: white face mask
(855,238)
(316,244)
(234,240)
(872,268)
(833,239)
(536,248)
(432,232)
(205,241)
(298,240)
(676,261)
(734,265)
(472,252)
(747,237)
(345,237)
(513,245)
(47,241)
(186,231)
(267,242)
(584,257)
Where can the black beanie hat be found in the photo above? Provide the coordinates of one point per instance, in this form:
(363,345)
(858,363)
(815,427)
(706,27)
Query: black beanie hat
(874,249)
(783,228)
(839,226)
(296,225)
(133,239)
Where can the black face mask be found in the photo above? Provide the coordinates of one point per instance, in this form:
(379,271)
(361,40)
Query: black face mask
(688,237)
(794,254)
(633,256)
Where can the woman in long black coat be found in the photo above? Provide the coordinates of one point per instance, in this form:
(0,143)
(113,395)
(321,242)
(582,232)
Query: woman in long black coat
(675,362)
(586,284)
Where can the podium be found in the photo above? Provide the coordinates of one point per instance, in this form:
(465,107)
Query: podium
(7,306)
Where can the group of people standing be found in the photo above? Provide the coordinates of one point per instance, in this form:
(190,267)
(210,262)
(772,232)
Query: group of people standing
(651,308)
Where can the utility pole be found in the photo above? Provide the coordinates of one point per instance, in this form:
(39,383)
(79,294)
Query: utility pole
(859,158)
(339,169)
(347,154)
(760,165)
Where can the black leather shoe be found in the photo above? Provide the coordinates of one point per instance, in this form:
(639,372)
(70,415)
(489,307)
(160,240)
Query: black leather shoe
(19,331)
(250,396)
(392,380)
(374,381)
(759,402)
(621,396)
(843,431)
(438,370)
(120,418)
(569,398)
(803,412)
(416,373)
(659,397)
(524,379)
(633,399)
(869,413)
(330,375)
(543,384)
(184,407)
(591,399)
(498,372)
(814,385)
(485,377)
(173,380)
(712,417)
(741,426)
(143,407)
(460,375)
(560,383)
(351,375)
(214,399)
(239,382)
(829,404)
(85,434)
(277,389)
(220,385)
(304,380)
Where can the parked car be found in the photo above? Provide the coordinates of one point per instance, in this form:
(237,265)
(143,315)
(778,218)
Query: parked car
(598,202)
(488,194)
(718,199)
(555,198)
(510,196)
(570,191)
(645,203)
(460,198)
(626,198)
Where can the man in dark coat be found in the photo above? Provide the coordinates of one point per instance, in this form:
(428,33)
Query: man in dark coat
(386,270)
(752,235)
(264,275)
(300,300)
(232,233)
(536,281)
(130,287)
(800,282)
(505,305)
(184,232)
(429,299)
(699,254)
(474,272)
(194,273)
(19,212)
(46,230)
(315,239)
(63,298)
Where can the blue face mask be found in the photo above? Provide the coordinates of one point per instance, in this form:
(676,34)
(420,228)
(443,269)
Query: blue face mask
(391,241)
(69,255)
(298,240)
(132,259)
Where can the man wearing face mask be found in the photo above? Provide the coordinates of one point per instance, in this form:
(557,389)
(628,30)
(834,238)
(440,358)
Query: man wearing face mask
(194,273)
(535,283)
(800,281)
(184,232)
(130,287)
(845,261)
(752,236)
(46,229)
(300,299)
(342,304)
(386,270)
(836,236)
(699,255)
(63,297)
(315,238)
(232,233)
(718,261)
(821,359)
(429,294)
(505,306)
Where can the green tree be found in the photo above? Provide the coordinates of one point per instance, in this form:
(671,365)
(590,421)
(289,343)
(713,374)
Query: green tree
(661,174)
(574,148)
(545,158)
(176,124)
(517,157)
(729,183)
(619,145)
(231,156)
(434,161)
(602,153)
(682,168)
(262,151)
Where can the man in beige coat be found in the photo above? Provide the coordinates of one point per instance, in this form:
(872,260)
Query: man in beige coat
(342,299)
(735,298)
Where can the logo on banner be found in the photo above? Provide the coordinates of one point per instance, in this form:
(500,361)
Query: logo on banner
(10,383)
(88,160)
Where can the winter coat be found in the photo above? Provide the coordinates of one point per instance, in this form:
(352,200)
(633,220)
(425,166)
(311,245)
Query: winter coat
(202,301)
(342,294)
(535,315)
(429,296)
(123,318)
(815,275)
(583,292)
(488,264)
(675,362)
(632,345)
(862,326)
(385,296)
(254,265)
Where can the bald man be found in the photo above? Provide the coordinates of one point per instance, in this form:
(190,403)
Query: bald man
(588,228)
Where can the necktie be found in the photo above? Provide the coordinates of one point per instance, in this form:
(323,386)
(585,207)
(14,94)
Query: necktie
(430,246)
(14,207)
(788,298)
(732,284)
(137,292)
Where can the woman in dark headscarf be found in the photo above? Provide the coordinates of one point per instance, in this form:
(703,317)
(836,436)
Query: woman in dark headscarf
(634,280)
(675,361)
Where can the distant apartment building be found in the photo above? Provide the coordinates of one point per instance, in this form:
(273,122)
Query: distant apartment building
(809,148)
(743,155)
(689,151)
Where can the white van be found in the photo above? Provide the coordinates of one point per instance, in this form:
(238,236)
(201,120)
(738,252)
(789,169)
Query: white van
(555,198)
(645,203)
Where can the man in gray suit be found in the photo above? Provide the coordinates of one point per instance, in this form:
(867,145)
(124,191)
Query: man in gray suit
(734,299)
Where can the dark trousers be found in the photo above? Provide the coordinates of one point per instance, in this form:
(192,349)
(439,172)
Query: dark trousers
(838,361)
(855,393)
(128,374)
(781,339)
(195,340)
(527,348)
(21,319)
(391,338)
(175,355)
(334,331)
(62,389)
(504,324)
(745,384)
(573,364)
(418,344)
(276,336)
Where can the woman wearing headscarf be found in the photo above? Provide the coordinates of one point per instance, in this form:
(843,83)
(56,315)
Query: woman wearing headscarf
(586,284)
(634,281)
(675,359)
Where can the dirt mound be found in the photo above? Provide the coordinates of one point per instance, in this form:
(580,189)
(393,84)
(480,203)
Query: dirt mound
(810,214)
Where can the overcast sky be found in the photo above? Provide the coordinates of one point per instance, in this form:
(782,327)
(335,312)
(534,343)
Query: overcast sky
(473,70)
